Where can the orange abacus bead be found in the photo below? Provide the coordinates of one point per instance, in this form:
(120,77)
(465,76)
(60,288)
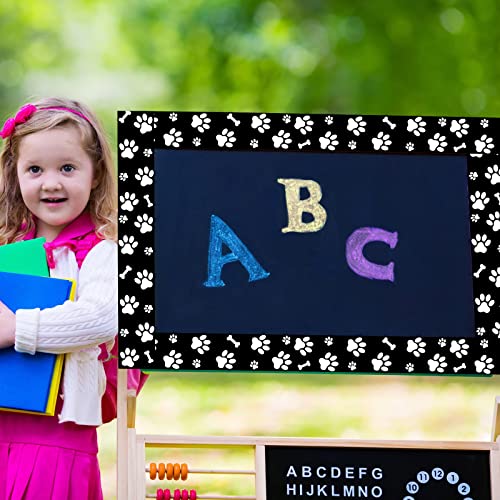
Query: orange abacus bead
(152,470)
(170,471)
(161,471)
(177,471)
(184,472)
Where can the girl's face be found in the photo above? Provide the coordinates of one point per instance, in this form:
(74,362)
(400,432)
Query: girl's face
(56,177)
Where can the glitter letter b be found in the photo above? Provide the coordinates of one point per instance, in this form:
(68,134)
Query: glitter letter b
(357,261)
(296,207)
(221,233)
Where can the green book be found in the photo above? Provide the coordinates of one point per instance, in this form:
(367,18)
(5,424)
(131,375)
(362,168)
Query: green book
(26,257)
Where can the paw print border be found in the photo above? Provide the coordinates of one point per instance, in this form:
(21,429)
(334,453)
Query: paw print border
(140,132)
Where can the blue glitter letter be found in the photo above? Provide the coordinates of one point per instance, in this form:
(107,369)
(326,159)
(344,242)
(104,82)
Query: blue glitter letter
(221,233)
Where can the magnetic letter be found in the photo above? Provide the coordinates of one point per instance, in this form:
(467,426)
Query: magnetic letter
(221,233)
(296,207)
(356,260)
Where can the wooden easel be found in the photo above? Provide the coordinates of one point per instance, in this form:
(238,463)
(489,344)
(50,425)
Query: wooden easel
(132,467)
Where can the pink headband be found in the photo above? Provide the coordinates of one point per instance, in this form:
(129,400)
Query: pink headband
(25,112)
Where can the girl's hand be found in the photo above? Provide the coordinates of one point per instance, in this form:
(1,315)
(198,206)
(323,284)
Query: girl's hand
(7,326)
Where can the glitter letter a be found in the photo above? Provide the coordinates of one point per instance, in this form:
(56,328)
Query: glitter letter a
(221,233)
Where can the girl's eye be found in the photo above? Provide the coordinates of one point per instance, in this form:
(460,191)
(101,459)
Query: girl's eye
(68,168)
(34,169)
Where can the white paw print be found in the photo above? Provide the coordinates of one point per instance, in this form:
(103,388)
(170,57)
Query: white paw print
(304,345)
(261,122)
(484,145)
(173,116)
(352,366)
(144,223)
(416,125)
(496,329)
(122,219)
(459,348)
(328,341)
(196,363)
(145,123)
(196,141)
(493,174)
(484,123)
(129,304)
(409,367)
(225,360)
(437,363)
(128,245)
(129,357)
(495,276)
(173,338)
(352,144)
(123,176)
(474,217)
(145,176)
(484,343)
(282,140)
(356,346)
(494,221)
(479,200)
(144,279)
(286,340)
(200,344)
(254,365)
(410,146)
(329,362)
(303,124)
(381,363)
(128,149)
(437,143)
(328,120)
(173,138)
(442,122)
(148,308)
(147,152)
(145,332)
(473,176)
(416,346)
(480,331)
(124,332)
(226,138)
(128,201)
(173,360)
(148,251)
(442,342)
(260,344)
(481,243)
(282,361)
(484,303)
(254,143)
(328,141)
(459,127)
(356,125)
(484,365)
(201,122)
(382,141)
(287,118)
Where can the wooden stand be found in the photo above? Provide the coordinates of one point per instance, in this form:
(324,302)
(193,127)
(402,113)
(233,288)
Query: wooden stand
(132,466)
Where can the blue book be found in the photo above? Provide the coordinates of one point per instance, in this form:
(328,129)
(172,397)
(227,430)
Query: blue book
(27,381)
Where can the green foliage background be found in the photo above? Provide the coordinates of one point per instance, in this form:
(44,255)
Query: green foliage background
(432,57)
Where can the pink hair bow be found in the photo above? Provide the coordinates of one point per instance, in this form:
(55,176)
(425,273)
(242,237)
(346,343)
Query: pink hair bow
(21,116)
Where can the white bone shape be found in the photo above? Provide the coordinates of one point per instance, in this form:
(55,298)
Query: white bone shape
(304,365)
(122,119)
(233,341)
(127,269)
(479,271)
(386,341)
(233,119)
(386,120)
(307,143)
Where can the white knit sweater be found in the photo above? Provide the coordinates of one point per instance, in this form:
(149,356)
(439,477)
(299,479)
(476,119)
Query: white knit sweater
(77,328)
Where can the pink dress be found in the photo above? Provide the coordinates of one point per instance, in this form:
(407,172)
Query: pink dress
(41,459)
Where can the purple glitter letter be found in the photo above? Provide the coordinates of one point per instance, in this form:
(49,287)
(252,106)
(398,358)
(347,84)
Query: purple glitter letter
(356,260)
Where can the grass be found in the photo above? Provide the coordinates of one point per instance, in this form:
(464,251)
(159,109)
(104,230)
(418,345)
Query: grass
(299,405)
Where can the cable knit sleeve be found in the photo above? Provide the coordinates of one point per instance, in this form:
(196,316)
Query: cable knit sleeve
(89,321)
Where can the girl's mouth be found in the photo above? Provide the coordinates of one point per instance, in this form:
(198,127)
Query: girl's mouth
(53,200)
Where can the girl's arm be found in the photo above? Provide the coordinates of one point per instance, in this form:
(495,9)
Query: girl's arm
(87,322)
(7,326)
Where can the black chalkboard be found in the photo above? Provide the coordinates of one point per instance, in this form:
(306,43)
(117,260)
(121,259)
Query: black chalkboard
(298,472)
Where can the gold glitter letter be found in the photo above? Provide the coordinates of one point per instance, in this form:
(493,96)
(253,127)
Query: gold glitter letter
(296,207)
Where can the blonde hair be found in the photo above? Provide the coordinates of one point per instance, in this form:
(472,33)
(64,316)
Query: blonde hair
(15,218)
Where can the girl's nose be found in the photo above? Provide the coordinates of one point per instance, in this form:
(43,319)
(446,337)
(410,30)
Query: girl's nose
(51,183)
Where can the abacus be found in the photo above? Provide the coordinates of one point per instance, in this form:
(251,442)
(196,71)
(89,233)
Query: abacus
(272,453)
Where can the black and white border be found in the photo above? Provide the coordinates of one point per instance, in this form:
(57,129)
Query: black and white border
(139,133)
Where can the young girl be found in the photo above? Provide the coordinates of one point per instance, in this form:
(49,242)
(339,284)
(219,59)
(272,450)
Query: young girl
(57,181)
